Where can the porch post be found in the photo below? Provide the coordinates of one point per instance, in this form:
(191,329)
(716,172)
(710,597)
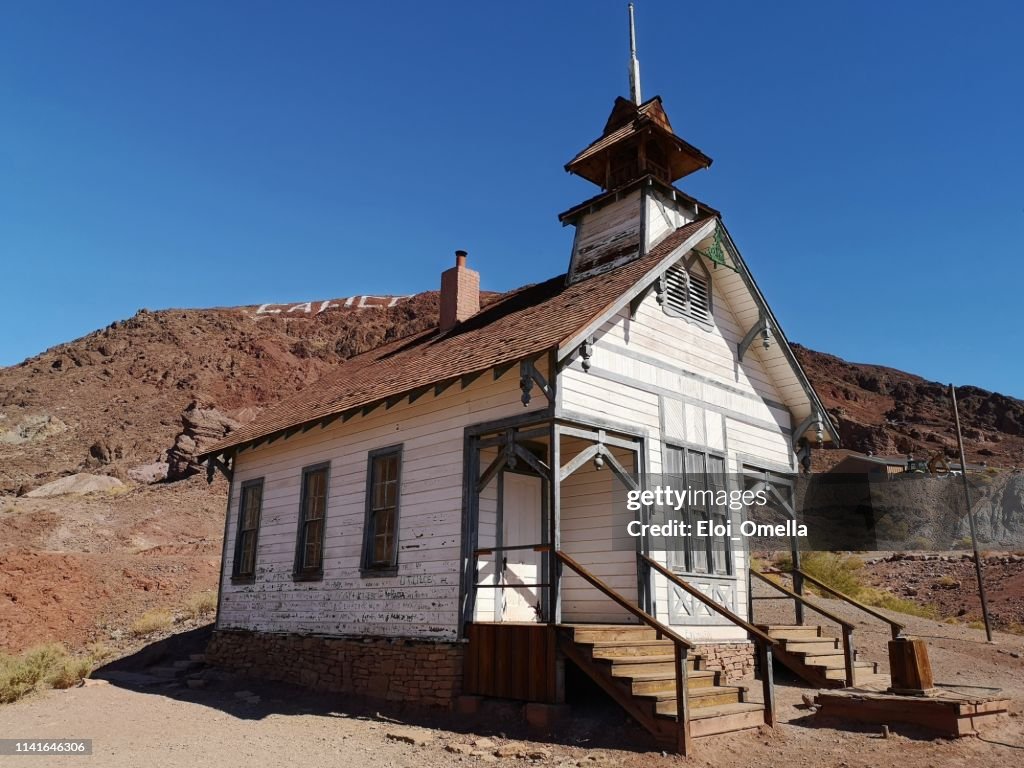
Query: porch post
(555,525)
(471,505)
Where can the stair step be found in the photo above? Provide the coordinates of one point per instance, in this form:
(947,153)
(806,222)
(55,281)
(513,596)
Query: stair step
(723,718)
(692,665)
(637,661)
(701,705)
(791,631)
(704,699)
(837,663)
(810,646)
(631,647)
(590,633)
(696,678)
(822,659)
(862,671)
(654,683)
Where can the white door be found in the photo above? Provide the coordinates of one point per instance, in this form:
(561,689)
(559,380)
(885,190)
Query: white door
(521,524)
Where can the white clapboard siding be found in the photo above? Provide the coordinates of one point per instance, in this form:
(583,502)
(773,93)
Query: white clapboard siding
(593,535)
(422,599)
(677,382)
(608,237)
(663,217)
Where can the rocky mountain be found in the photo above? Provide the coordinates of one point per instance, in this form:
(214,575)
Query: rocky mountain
(889,412)
(135,399)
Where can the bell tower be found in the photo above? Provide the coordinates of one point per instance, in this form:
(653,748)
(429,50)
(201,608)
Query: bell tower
(635,162)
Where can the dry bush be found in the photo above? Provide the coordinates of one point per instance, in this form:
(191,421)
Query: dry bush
(70,672)
(842,573)
(201,604)
(47,664)
(151,622)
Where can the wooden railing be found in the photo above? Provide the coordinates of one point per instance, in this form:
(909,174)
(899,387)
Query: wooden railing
(498,583)
(681,646)
(847,627)
(763,641)
(894,626)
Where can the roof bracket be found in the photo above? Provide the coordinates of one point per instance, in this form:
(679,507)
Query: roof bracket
(761,328)
(813,419)
(586,352)
(225,467)
(469,378)
(636,301)
(501,370)
(528,376)
(416,394)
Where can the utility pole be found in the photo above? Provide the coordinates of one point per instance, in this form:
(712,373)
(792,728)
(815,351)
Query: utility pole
(970,515)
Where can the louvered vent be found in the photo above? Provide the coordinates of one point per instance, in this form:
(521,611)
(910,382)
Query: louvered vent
(687,295)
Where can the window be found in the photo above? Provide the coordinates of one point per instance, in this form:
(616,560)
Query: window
(309,555)
(702,472)
(688,292)
(383,483)
(250,504)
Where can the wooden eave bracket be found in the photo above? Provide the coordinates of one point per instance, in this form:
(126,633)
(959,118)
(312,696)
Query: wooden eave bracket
(816,419)
(763,329)
(215,464)
(636,301)
(528,376)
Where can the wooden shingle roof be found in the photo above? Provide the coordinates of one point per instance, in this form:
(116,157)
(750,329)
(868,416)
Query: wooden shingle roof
(523,323)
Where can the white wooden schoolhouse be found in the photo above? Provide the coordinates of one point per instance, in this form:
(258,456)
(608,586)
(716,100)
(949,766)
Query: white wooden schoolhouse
(434,519)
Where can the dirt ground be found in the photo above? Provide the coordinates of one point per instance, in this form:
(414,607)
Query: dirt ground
(173,725)
(79,569)
(948,583)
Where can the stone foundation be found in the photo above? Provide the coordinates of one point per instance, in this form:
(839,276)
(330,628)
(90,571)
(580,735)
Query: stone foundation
(734,660)
(421,672)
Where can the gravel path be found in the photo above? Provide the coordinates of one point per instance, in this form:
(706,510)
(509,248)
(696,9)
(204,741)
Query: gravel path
(280,725)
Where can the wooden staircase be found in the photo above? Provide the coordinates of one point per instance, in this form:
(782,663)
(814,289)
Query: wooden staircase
(811,655)
(637,670)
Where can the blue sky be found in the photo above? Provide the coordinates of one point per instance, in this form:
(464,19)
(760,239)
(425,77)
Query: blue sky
(868,157)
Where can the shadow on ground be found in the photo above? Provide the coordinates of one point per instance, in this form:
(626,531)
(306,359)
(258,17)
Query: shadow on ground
(174,668)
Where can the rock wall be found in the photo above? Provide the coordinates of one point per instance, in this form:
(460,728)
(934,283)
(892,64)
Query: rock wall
(421,672)
(734,660)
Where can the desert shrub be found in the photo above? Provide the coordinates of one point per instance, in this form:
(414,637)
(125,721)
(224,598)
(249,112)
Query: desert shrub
(842,572)
(47,664)
(947,581)
(152,621)
(69,672)
(879,598)
(838,571)
(201,604)
(99,651)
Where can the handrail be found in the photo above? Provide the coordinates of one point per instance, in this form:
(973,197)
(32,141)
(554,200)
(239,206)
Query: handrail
(849,655)
(799,598)
(764,640)
(641,614)
(680,646)
(895,626)
(715,606)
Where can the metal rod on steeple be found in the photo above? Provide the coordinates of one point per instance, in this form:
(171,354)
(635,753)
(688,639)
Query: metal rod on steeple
(634,63)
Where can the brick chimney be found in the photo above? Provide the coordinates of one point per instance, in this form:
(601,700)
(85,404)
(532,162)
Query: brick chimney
(460,293)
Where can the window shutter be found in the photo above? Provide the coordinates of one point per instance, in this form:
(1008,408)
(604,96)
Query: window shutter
(687,295)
